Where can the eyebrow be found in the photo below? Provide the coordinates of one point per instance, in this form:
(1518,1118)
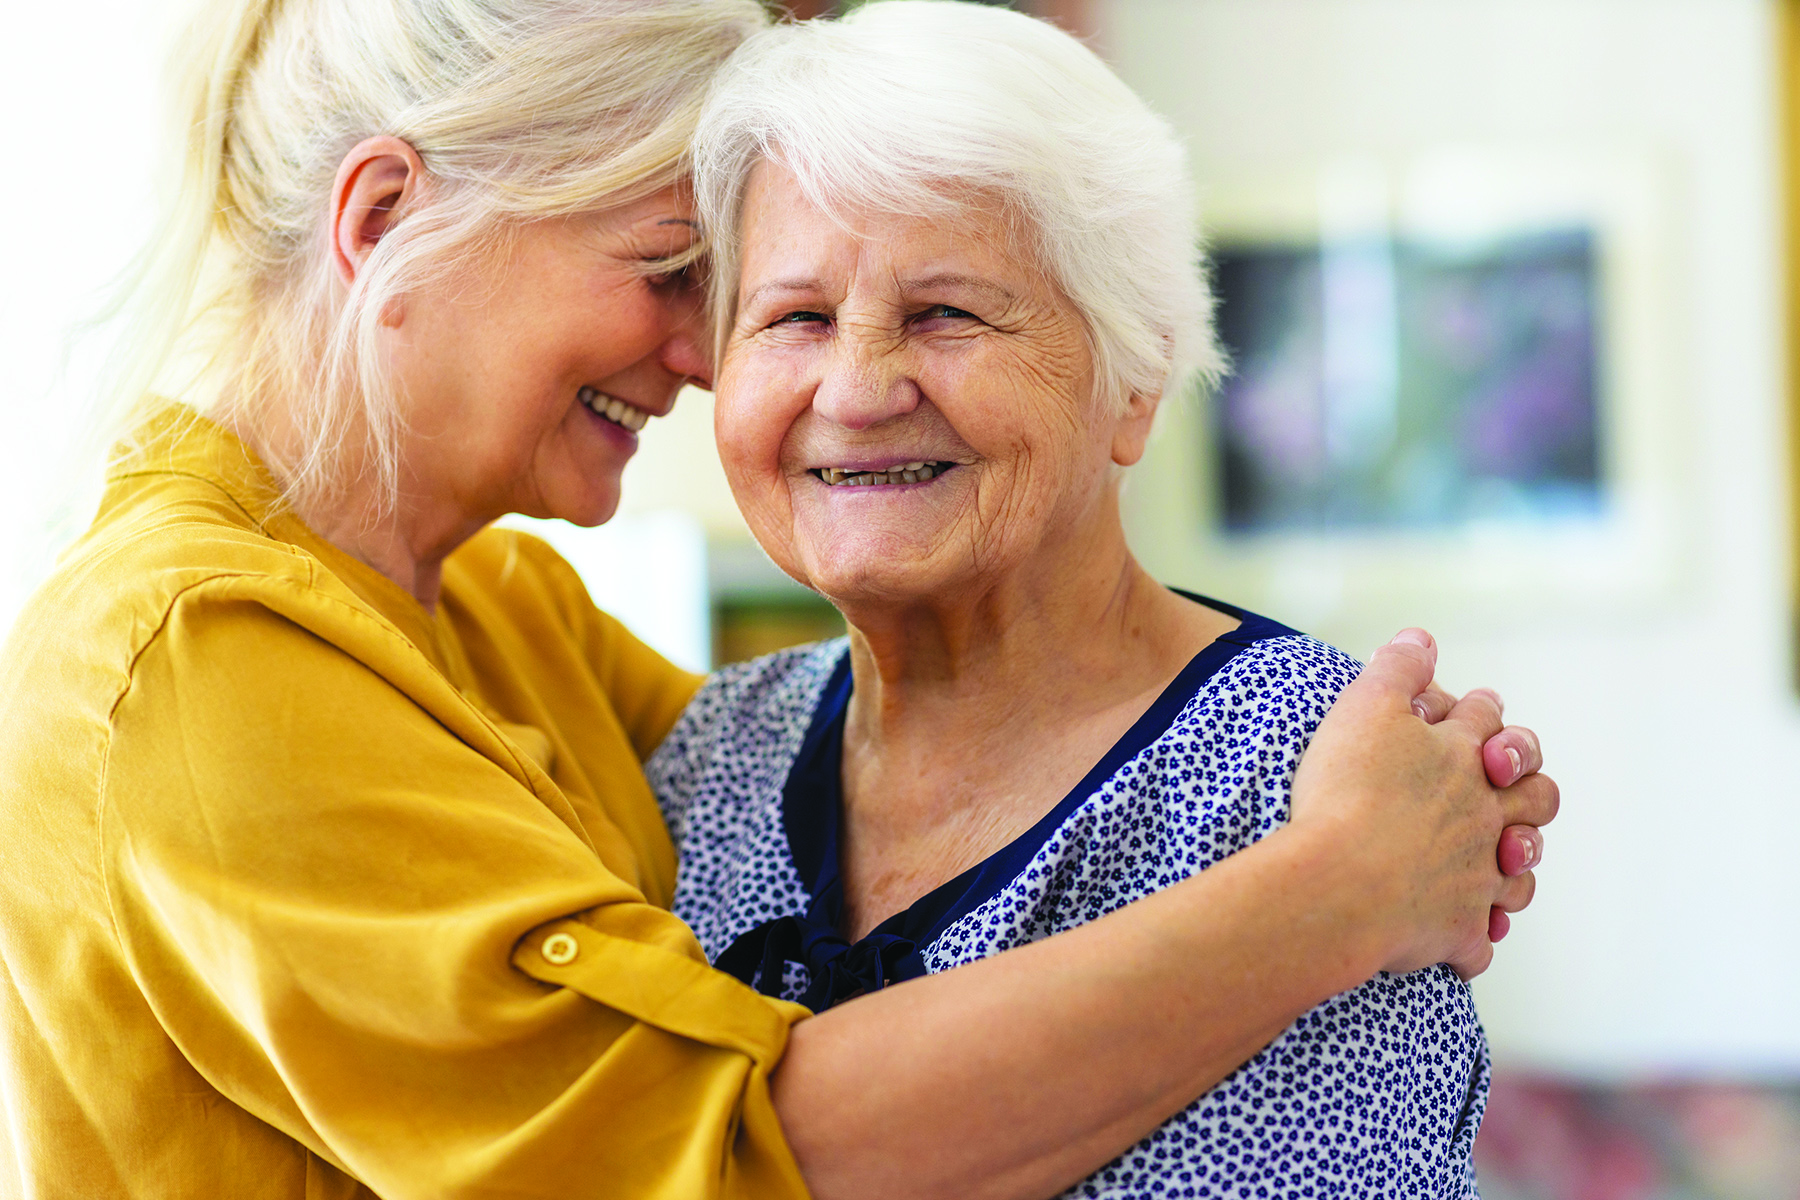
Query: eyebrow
(795,284)
(974,283)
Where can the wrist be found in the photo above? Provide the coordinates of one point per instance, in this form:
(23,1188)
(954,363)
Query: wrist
(1342,909)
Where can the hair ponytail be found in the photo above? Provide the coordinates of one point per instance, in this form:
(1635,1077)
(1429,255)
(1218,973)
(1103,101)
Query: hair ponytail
(158,297)
(520,109)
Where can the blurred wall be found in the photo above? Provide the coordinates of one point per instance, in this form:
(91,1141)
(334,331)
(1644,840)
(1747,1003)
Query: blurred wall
(1663,937)
(77,93)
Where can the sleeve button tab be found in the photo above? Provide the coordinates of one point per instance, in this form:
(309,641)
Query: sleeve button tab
(559,948)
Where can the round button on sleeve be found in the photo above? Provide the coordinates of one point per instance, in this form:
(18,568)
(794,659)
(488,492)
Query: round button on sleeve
(559,949)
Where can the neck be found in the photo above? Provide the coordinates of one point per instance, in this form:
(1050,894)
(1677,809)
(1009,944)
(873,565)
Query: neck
(407,551)
(1077,627)
(971,715)
(406,540)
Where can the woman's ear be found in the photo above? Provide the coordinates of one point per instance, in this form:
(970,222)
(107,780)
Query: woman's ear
(1132,433)
(375,180)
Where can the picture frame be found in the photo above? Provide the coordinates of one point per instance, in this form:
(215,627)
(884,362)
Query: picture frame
(1627,554)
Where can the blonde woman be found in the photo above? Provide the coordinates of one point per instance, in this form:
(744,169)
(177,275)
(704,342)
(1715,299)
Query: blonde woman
(331,866)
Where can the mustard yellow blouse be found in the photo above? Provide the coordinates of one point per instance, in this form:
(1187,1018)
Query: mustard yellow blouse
(310,893)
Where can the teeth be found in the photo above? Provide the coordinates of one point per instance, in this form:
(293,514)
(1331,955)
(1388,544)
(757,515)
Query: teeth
(915,472)
(613,409)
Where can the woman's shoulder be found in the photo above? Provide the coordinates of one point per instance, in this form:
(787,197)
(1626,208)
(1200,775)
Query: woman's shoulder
(1274,666)
(516,578)
(115,588)
(783,679)
(1234,726)
(745,724)
(748,701)
(174,566)
(1263,661)
(179,590)
(510,569)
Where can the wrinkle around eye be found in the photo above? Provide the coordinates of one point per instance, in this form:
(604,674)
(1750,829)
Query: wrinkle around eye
(684,278)
(799,323)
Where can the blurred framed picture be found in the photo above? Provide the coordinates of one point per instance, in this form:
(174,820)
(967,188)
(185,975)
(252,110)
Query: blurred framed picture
(1390,383)
(1451,393)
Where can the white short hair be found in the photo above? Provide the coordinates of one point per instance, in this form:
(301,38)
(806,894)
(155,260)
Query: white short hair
(915,106)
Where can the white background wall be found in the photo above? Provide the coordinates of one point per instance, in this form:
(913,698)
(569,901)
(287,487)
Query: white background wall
(1665,934)
(77,88)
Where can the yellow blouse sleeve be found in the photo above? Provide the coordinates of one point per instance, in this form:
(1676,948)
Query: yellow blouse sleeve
(365,921)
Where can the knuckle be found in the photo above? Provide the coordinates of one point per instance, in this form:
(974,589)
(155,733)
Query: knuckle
(1536,747)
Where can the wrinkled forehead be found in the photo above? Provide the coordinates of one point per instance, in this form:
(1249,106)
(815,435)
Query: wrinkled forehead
(786,225)
(851,203)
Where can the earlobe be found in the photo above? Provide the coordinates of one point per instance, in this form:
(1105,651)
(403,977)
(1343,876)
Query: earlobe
(375,183)
(1132,434)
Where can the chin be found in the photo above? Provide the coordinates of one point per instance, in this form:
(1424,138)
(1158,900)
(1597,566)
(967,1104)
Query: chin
(588,511)
(853,578)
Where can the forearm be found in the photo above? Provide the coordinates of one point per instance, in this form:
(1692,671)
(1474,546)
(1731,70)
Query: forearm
(1018,1075)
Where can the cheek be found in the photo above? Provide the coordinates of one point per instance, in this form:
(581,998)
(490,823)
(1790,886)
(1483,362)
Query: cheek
(756,405)
(1012,411)
(628,322)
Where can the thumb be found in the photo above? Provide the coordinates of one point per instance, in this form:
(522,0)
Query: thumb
(1396,674)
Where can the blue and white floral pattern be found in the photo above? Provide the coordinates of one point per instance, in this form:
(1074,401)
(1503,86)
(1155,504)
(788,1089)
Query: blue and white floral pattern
(1377,1092)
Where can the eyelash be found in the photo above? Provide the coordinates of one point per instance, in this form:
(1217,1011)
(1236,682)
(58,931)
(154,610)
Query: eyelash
(804,316)
(680,277)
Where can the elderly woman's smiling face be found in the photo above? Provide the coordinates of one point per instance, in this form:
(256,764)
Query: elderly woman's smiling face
(918,347)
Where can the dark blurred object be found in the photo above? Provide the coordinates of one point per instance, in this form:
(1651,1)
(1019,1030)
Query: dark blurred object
(1553,1139)
(757,609)
(748,628)
(1384,382)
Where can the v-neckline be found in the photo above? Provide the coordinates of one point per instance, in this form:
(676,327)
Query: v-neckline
(813,796)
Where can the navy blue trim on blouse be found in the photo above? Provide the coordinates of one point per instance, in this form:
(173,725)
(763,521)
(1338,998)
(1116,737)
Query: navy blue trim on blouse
(812,812)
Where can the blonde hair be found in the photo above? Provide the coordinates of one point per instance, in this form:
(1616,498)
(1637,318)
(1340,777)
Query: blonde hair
(924,107)
(520,110)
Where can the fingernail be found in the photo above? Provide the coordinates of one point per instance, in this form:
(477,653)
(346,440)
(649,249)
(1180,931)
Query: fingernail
(1412,637)
(1533,851)
(1512,757)
(1420,711)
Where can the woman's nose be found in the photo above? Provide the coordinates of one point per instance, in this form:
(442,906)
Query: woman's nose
(686,353)
(858,394)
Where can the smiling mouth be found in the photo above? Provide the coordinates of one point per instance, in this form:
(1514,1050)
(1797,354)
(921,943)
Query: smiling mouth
(913,472)
(613,409)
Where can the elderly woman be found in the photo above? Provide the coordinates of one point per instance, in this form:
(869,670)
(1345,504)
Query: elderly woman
(956,276)
(331,867)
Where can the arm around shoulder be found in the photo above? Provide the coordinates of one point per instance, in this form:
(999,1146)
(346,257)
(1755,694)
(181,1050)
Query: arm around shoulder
(322,889)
